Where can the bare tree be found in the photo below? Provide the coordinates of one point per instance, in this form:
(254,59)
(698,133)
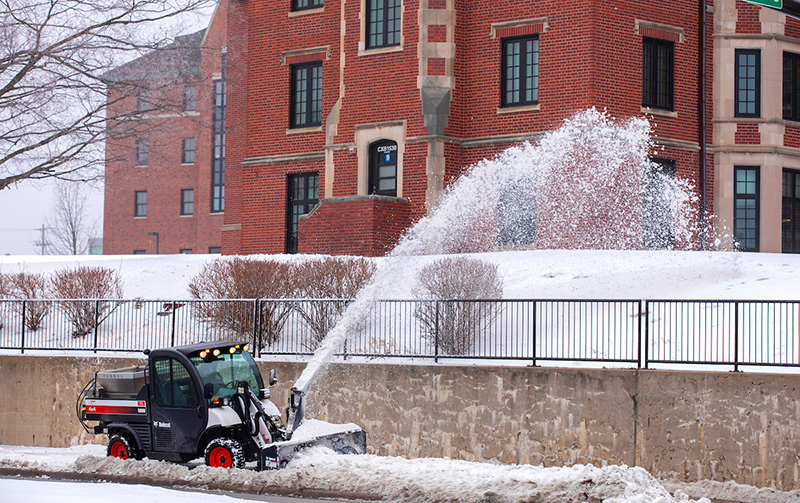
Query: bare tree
(69,223)
(54,57)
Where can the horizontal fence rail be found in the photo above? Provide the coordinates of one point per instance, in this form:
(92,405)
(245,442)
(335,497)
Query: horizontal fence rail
(630,332)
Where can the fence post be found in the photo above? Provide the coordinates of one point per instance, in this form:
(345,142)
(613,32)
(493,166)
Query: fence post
(174,320)
(436,335)
(22,342)
(639,337)
(736,336)
(256,326)
(96,321)
(535,303)
(646,334)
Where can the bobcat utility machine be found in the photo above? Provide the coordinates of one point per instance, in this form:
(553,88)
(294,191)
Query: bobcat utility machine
(200,400)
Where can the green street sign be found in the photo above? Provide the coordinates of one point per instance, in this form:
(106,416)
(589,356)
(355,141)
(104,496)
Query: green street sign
(775,4)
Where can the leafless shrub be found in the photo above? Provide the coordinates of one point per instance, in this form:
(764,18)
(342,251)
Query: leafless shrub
(87,283)
(244,278)
(32,288)
(459,318)
(5,285)
(334,281)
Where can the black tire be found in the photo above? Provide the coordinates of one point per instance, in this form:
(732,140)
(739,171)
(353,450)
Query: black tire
(224,453)
(122,447)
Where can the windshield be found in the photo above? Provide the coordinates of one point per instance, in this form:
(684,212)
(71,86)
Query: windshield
(226,370)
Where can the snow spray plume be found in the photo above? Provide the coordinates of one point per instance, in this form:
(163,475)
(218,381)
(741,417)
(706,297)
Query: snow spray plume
(589,185)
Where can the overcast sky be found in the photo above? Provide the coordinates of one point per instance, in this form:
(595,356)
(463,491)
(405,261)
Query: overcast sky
(23,210)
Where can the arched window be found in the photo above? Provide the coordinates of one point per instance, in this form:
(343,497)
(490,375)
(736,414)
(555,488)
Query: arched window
(383,168)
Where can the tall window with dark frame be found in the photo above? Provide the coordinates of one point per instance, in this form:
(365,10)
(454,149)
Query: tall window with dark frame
(658,228)
(306,4)
(306,95)
(791,86)
(303,195)
(190,99)
(383,168)
(657,73)
(746,209)
(140,203)
(790,221)
(218,143)
(187,202)
(142,152)
(187,151)
(520,72)
(748,83)
(383,23)
(143,100)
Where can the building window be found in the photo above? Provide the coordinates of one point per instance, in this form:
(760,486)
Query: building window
(307,95)
(143,100)
(790,221)
(142,149)
(187,202)
(520,67)
(383,23)
(218,147)
(791,86)
(214,249)
(140,208)
(185,251)
(657,73)
(746,207)
(306,4)
(658,222)
(383,168)
(140,252)
(748,83)
(303,196)
(187,151)
(190,99)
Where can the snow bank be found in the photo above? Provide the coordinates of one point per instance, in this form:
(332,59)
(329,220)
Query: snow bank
(417,480)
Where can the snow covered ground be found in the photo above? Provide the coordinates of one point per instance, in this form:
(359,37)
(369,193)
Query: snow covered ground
(394,479)
(547,274)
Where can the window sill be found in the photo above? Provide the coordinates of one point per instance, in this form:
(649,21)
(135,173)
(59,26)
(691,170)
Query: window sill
(380,50)
(525,108)
(306,12)
(302,130)
(186,216)
(140,165)
(139,218)
(659,111)
(187,164)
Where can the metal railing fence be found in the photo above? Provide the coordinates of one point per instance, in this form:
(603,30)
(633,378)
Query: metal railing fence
(635,332)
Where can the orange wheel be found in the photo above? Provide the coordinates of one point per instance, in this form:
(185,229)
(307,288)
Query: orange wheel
(220,457)
(224,453)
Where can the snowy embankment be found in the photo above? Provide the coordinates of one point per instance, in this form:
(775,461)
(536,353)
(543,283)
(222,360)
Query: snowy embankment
(388,478)
(541,274)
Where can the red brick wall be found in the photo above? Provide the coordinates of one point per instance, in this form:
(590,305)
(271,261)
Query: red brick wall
(747,134)
(369,227)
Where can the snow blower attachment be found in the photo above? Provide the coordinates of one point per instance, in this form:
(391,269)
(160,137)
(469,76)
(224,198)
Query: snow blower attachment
(198,400)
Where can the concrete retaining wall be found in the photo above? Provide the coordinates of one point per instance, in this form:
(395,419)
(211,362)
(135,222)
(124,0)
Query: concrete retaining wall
(687,425)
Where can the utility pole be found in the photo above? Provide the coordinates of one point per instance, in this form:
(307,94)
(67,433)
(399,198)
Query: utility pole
(42,242)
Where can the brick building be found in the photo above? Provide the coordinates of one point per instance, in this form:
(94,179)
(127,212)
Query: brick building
(369,108)
(346,120)
(164,176)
